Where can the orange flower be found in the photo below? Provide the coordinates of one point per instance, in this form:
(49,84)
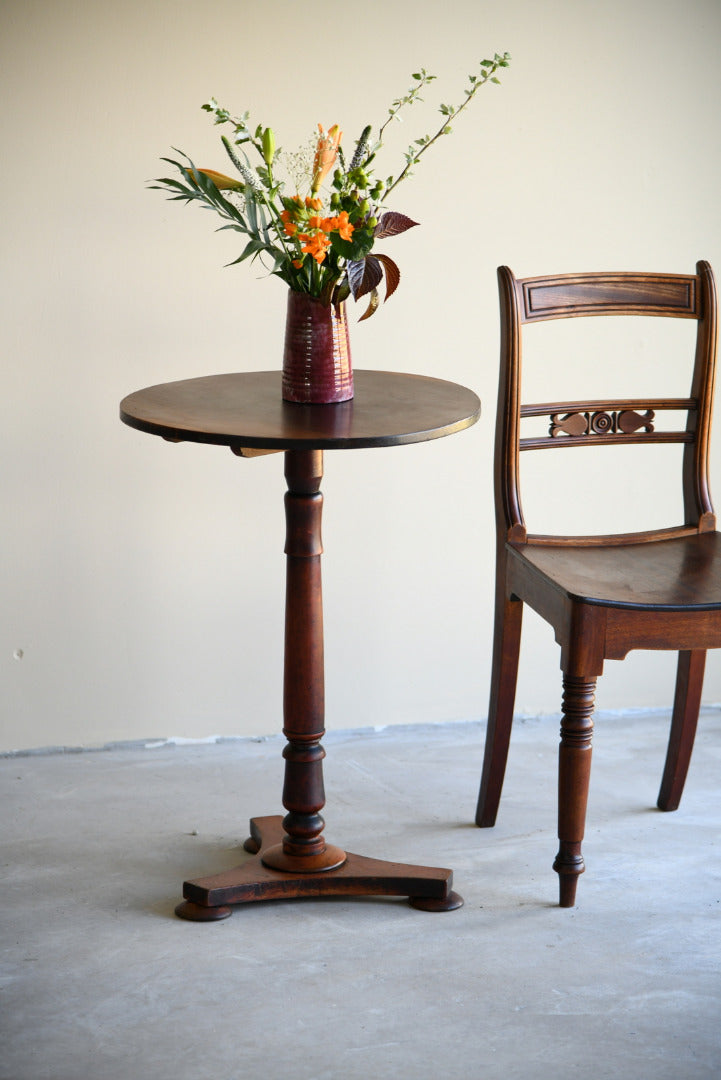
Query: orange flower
(325,154)
(290,226)
(343,225)
(313,204)
(297,263)
(316,246)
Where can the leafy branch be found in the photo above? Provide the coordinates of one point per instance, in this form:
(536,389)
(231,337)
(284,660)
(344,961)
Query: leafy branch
(415,151)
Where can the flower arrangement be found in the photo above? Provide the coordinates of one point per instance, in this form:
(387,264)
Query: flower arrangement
(322,245)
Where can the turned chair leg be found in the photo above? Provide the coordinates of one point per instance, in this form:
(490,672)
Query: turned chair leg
(574,773)
(504,673)
(686,705)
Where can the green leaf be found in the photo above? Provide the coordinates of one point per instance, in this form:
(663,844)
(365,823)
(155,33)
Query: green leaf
(253,247)
(170,182)
(355,249)
(252,213)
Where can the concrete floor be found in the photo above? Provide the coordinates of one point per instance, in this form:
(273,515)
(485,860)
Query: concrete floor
(101,981)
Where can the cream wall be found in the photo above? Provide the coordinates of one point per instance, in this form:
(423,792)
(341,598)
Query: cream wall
(143,582)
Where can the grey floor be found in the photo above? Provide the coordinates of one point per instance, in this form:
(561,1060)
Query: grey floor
(101,981)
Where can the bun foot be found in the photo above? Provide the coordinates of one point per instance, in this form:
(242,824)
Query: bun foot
(569,866)
(200,913)
(430,903)
(567,890)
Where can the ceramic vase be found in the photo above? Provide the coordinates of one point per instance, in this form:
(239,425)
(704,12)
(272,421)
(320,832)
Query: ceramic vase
(317,367)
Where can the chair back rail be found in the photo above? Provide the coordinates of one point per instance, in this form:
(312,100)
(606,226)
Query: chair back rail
(605,422)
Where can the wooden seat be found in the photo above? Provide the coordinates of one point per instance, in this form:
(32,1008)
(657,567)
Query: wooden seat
(603,595)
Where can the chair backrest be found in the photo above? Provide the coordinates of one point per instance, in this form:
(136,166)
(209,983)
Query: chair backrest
(605,422)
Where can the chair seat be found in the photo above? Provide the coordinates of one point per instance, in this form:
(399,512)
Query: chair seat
(680,574)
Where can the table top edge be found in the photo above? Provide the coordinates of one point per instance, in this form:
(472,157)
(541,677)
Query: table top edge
(174,432)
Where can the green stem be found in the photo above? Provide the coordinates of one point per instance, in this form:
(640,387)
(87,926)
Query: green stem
(441,131)
(410,99)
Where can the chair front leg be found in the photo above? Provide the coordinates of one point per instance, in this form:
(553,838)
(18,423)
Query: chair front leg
(574,773)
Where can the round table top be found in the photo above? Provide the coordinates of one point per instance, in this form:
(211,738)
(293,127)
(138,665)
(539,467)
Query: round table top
(246,410)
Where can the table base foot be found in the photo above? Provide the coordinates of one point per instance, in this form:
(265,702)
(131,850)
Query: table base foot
(197,913)
(428,888)
(427,903)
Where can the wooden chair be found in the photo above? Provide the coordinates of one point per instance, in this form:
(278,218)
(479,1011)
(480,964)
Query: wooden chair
(603,595)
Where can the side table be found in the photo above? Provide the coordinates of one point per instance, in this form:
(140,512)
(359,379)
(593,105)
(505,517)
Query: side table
(245,412)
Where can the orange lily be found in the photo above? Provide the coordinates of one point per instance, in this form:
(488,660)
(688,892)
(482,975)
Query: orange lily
(222,181)
(325,154)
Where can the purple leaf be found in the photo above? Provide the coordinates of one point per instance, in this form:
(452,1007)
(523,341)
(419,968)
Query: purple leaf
(393,274)
(392,224)
(364,275)
(372,306)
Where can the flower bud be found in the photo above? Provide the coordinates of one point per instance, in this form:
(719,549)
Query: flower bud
(268,146)
(221,181)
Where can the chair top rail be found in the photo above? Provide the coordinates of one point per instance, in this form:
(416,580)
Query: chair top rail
(570,295)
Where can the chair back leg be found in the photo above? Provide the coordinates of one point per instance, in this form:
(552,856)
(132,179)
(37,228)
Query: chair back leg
(686,705)
(574,774)
(504,674)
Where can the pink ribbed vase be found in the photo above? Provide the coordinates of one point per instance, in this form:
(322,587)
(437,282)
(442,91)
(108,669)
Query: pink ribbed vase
(317,367)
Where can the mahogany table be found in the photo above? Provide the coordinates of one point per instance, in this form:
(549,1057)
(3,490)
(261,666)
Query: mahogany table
(291,857)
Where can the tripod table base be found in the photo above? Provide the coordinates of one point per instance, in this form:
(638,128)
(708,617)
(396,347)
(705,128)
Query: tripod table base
(211,898)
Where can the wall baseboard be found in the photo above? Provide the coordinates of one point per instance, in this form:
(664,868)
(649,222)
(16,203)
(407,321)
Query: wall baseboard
(173,741)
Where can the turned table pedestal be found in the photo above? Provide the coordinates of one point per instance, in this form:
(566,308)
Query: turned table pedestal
(290,855)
